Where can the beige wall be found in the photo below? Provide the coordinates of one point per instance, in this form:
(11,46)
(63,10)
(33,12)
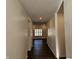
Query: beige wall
(51,35)
(68,27)
(29,33)
(61,34)
(17,30)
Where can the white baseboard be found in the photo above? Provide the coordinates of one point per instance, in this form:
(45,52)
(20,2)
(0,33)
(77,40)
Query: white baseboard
(52,51)
(68,58)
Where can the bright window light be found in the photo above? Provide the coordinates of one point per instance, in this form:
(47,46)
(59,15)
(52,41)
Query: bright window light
(38,32)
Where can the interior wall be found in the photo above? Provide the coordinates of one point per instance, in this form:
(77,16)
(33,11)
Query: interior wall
(29,33)
(61,34)
(68,27)
(51,35)
(17,30)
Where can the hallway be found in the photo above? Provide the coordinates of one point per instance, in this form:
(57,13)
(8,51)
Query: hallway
(40,50)
(48,20)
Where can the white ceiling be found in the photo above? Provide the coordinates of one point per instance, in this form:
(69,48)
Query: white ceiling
(40,8)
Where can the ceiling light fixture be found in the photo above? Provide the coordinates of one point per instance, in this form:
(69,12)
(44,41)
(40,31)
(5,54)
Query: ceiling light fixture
(40,18)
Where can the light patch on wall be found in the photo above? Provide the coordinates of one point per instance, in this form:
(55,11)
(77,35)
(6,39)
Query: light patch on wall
(49,32)
(57,49)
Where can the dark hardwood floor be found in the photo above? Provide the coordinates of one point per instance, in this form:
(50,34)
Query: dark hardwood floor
(40,50)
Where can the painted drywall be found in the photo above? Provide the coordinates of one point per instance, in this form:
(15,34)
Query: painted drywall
(29,33)
(68,27)
(51,35)
(61,34)
(17,30)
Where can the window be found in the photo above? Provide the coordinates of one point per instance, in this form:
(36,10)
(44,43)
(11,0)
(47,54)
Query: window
(38,32)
